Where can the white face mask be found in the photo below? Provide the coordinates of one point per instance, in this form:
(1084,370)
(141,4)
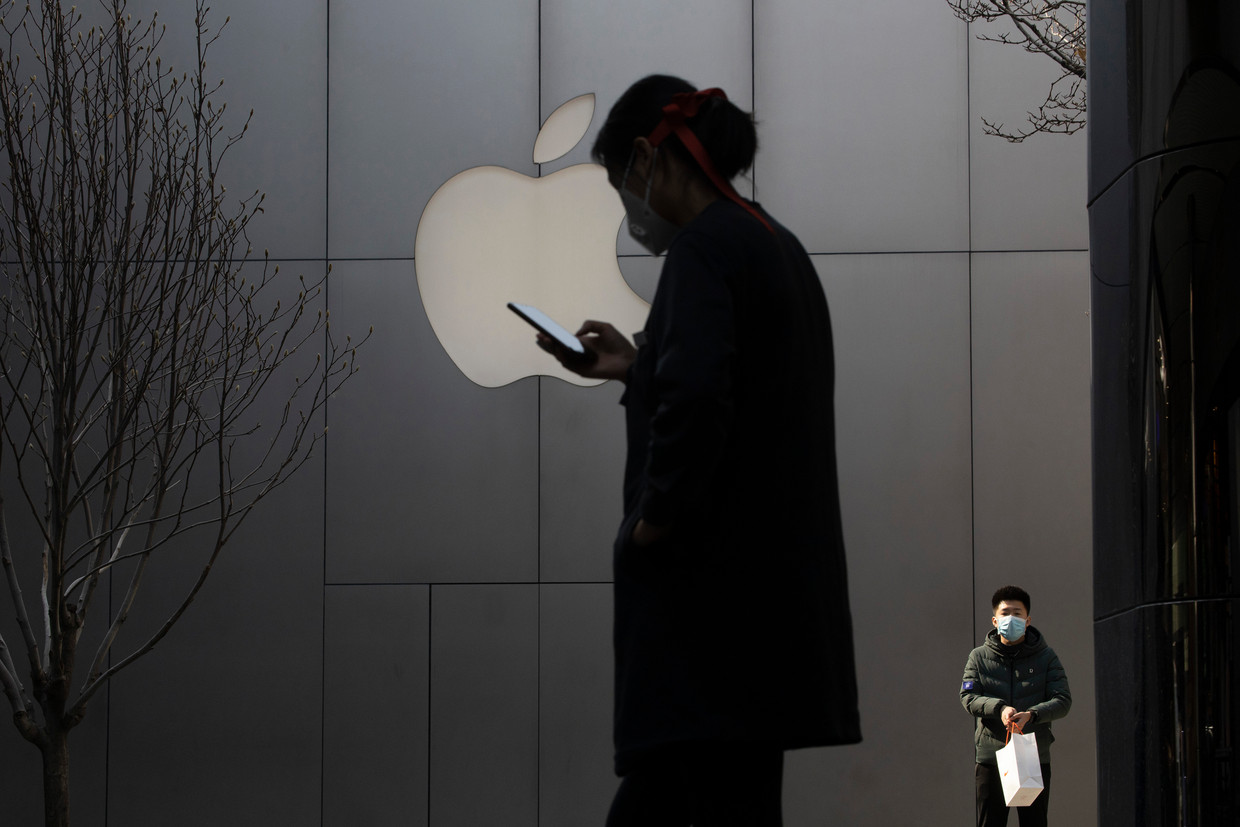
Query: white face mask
(1011,627)
(648,228)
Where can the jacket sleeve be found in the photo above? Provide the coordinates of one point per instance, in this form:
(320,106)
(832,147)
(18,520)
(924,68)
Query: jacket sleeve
(1058,696)
(692,380)
(977,704)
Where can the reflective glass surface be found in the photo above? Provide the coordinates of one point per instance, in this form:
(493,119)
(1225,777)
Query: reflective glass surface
(1167,696)
(1166,371)
(1164,102)
(1160,73)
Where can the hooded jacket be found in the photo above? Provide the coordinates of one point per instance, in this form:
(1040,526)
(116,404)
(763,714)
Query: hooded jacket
(1027,676)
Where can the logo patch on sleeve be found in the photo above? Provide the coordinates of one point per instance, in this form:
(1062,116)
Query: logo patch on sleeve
(966,686)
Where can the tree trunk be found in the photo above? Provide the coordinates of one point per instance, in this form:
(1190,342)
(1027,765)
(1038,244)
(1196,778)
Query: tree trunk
(56,778)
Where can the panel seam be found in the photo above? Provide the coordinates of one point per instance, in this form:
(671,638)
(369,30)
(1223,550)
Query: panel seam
(968,137)
(327,160)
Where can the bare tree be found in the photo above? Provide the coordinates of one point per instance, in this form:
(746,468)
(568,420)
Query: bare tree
(136,339)
(1055,28)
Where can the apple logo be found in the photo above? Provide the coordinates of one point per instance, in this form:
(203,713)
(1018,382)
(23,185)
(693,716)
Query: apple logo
(490,235)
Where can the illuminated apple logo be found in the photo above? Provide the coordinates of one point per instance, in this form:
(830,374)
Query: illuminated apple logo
(490,236)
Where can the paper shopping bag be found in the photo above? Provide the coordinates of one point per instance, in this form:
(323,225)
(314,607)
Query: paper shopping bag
(1020,769)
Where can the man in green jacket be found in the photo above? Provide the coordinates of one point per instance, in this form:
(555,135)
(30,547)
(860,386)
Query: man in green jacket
(1014,678)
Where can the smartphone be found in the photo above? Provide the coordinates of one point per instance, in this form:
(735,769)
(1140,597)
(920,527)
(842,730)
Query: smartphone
(549,326)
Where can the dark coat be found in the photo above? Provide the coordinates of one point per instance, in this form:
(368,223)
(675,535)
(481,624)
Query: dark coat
(736,625)
(1027,676)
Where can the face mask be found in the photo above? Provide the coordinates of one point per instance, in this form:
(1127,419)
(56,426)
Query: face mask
(1011,627)
(648,228)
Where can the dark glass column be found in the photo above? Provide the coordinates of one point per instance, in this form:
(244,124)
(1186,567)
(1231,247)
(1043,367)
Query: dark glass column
(1164,121)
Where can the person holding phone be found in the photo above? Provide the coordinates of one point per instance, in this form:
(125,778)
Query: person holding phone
(733,633)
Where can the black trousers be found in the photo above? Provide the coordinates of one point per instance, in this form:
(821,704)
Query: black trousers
(991,809)
(704,785)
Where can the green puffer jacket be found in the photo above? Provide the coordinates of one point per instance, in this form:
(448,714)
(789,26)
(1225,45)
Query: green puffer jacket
(1027,676)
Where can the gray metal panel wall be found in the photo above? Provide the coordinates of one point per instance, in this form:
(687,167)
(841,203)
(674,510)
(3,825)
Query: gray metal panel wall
(487,514)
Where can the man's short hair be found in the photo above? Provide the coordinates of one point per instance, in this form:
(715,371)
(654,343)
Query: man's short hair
(1010,594)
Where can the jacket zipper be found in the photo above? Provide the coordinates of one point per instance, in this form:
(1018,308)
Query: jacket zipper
(1012,682)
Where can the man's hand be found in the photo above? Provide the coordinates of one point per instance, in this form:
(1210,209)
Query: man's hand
(1010,716)
(612,351)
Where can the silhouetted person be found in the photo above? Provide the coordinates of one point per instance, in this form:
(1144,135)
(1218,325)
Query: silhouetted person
(733,635)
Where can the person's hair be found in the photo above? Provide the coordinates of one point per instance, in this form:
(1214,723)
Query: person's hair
(727,133)
(1010,594)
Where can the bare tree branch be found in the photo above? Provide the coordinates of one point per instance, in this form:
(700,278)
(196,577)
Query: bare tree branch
(15,590)
(1055,28)
(156,384)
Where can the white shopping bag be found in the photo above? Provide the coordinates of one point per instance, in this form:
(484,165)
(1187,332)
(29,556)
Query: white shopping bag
(1020,769)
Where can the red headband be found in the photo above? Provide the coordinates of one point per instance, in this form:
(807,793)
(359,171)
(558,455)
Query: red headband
(685,105)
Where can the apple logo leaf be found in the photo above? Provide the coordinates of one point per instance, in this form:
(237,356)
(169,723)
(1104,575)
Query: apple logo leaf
(564,128)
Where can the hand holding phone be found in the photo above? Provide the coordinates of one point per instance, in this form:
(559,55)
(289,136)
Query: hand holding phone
(605,354)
